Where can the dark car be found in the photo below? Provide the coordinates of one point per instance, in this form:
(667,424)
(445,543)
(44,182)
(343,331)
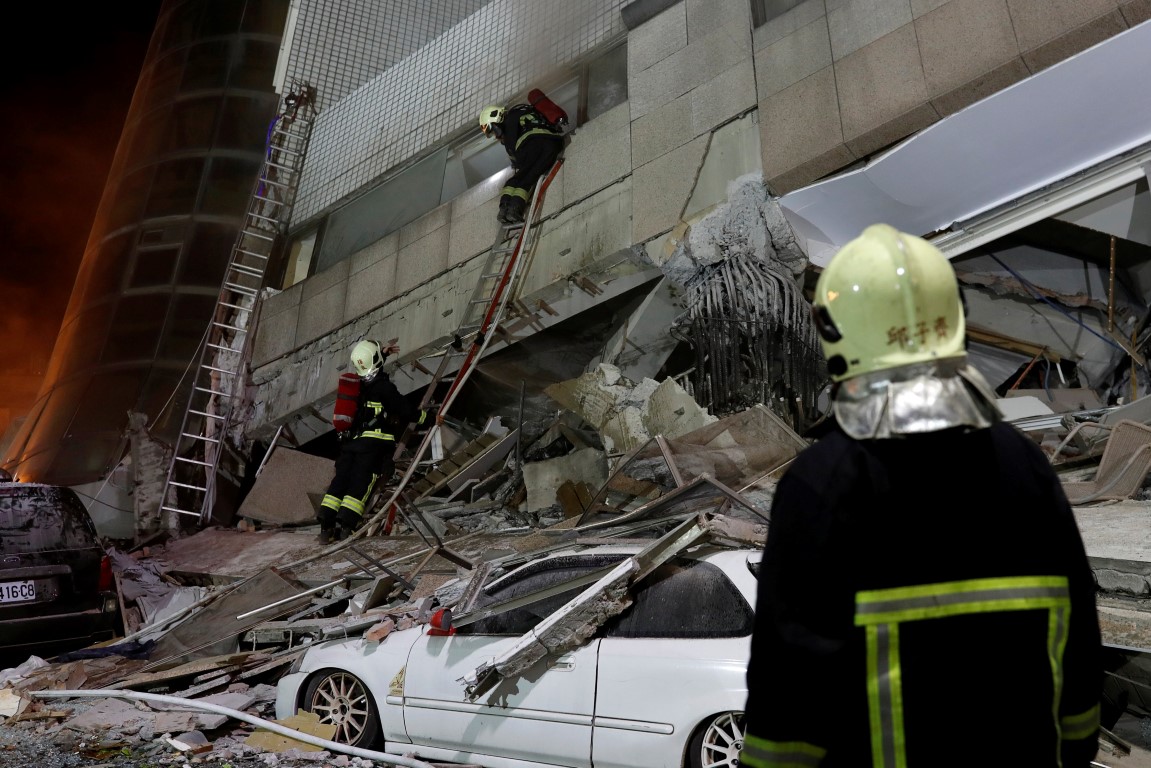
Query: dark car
(56,587)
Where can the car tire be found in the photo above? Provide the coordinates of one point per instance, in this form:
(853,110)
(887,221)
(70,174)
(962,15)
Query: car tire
(717,742)
(340,698)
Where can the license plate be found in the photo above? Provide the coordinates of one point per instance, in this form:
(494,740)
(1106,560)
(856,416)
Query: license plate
(17,591)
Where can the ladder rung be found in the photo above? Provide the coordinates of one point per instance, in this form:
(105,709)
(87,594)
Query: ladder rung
(227,327)
(280,184)
(212,391)
(193,461)
(220,347)
(263,218)
(235,306)
(258,234)
(279,166)
(242,289)
(181,511)
(201,438)
(187,485)
(218,370)
(215,416)
(246,270)
(252,253)
(273,201)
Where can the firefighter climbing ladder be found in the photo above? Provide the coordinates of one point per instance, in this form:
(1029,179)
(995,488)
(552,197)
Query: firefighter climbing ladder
(511,250)
(218,385)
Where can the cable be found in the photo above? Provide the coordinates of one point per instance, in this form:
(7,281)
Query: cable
(1038,295)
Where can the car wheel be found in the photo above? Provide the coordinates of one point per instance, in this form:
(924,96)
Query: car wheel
(717,742)
(341,699)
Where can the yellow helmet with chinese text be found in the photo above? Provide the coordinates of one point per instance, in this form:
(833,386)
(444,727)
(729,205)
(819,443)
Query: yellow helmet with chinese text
(491,115)
(887,299)
(368,358)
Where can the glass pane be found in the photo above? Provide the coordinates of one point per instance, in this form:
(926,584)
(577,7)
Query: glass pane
(192,125)
(182,23)
(255,64)
(221,17)
(176,187)
(135,329)
(129,199)
(153,268)
(207,66)
(83,337)
(245,121)
(164,78)
(83,457)
(230,185)
(189,318)
(265,17)
(206,256)
(684,598)
(116,392)
(607,82)
(485,163)
(103,275)
(57,417)
(398,201)
(164,411)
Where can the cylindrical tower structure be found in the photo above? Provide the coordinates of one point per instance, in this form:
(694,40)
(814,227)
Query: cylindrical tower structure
(172,207)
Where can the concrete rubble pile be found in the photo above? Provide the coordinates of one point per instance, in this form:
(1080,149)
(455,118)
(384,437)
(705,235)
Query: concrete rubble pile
(213,619)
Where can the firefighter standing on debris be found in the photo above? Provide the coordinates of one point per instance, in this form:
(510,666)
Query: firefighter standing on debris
(367,446)
(924,589)
(533,144)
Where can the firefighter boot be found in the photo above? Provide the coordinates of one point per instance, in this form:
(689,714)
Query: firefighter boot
(503,217)
(516,208)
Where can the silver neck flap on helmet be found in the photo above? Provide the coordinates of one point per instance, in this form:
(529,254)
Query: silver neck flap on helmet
(914,399)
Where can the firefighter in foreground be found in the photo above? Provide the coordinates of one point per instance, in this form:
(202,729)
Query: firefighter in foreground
(533,143)
(924,594)
(368,443)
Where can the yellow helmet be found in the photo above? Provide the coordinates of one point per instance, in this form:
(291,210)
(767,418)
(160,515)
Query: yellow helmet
(493,114)
(887,299)
(368,359)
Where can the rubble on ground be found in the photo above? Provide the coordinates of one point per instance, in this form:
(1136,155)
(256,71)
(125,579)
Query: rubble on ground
(217,616)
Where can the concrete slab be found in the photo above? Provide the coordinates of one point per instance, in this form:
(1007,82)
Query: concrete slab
(235,554)
(280,494)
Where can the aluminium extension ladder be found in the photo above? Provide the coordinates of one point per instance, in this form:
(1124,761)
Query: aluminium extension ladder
(218,387)
(485,310)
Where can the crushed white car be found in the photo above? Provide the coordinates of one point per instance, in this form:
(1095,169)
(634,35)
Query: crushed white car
(661,684)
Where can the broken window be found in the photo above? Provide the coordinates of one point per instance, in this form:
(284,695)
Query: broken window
(684,599)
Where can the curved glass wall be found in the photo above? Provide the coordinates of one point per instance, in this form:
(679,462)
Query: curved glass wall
(187,160)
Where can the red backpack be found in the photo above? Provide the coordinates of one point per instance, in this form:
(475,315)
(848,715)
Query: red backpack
(347,397)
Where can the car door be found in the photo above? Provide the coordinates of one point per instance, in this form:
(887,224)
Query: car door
(673,659)
(542,716)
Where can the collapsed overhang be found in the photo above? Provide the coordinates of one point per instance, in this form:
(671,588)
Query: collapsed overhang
(1071,117)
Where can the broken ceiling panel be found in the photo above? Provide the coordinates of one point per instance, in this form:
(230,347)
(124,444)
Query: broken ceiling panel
(1020,139)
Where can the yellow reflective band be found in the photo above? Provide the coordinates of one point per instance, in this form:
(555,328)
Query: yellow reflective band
(353,504)
(533,132)
(934,601)
(885,697)
(763,753)
(881,611)
(331,502)
(515,192)
(423,417)
(1081,726)
(378,435)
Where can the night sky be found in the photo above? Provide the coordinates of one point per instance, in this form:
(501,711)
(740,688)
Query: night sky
(72,69)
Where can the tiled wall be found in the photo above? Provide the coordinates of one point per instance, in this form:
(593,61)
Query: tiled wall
(338,45)
(496,52)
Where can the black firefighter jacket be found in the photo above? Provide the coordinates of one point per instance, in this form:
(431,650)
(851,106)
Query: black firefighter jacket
(923,602)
